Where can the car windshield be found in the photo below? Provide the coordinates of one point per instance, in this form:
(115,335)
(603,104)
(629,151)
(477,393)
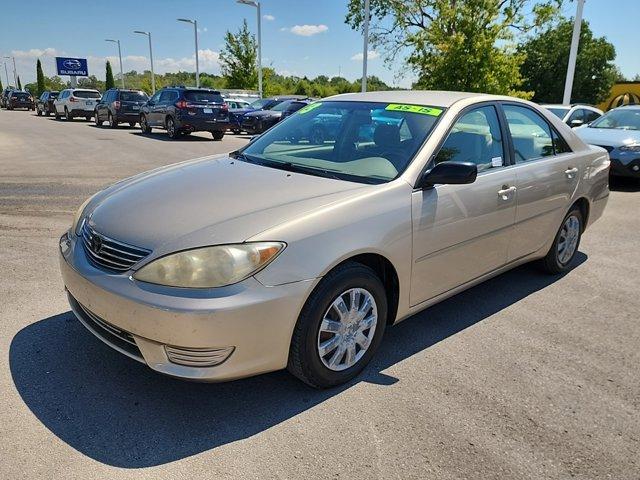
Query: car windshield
(558,112)
(262,103)
(86,94)
(133,96)
(357,141)
(623,119)
(282,106)
(203,96)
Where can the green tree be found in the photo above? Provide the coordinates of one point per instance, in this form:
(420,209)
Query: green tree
(238,59)
(41,87)
(19,83)
(547,55)
(109,82)
(466,45)
(1,87)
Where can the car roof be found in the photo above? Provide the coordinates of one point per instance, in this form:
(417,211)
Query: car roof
(629,107)
(417,97)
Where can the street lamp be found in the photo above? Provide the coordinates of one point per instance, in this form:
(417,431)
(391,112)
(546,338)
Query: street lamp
(253,3)
(153,78)
(573,54)
(365,52)
(195,30)
(120,57)
(15,74)
(6,73)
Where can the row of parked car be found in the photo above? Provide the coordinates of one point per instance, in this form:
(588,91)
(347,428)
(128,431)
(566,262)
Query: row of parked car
(179,110)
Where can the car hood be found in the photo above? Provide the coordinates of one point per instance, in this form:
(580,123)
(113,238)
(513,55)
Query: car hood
(209,201)
(263,113)
(611,137)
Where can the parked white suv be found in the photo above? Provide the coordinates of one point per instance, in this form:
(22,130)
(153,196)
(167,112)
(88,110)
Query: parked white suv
(575,115)
(76,102)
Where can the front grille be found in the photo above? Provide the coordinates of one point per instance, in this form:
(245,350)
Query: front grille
(606,147)
(109,253)
(113,336)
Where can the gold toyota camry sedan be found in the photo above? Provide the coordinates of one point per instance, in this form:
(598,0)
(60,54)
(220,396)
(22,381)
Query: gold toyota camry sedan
(298,250)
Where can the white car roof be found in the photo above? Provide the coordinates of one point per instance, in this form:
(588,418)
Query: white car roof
(417,97)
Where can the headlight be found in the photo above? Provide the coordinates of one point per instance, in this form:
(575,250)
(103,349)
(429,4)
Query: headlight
(78,216)
(210,267)
(630,148)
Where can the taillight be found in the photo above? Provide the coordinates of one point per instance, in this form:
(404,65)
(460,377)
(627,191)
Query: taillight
(181,104)
(116,104)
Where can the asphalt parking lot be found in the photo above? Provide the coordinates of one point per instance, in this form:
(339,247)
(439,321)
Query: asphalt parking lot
(524,376)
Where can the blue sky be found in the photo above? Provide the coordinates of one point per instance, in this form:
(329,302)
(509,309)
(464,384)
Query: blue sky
(300,37)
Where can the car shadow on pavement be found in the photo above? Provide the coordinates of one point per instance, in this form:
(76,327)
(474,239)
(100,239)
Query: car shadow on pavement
(163,136)
(624,185)
(119,412)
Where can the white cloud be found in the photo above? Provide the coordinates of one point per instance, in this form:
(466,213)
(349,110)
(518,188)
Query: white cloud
(284,29)
(371,54)
(35,53)
(308,30)
(269,18)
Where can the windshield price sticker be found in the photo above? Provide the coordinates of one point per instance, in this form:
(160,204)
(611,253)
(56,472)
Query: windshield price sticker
(401,107)
(309,107)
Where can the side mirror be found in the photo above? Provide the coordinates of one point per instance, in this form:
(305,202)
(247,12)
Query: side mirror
(449,173)
(576,123)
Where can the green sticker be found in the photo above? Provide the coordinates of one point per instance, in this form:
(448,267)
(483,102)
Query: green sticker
(309,107)
(401,107)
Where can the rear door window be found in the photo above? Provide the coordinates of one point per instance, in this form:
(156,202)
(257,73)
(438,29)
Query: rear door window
(530,133)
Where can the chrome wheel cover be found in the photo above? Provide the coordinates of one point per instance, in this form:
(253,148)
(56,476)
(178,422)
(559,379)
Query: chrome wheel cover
(568,240)
(347,329)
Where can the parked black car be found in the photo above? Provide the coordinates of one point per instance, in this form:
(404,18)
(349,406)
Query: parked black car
(183,110)
(20,99)
(4,96)
(260,120)
(236,116)
(44,105)
(119,105)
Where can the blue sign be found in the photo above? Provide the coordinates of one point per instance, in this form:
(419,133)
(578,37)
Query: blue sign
(72,66)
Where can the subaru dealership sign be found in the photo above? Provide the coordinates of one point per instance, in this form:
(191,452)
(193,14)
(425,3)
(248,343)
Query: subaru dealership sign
(76,67)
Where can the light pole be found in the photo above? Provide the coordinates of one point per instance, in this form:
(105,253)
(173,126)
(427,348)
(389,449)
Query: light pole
(573,54)
(15,75)
(195,30)
(6,73)
(365,52)
(120,57)
(153,77)
(253,3)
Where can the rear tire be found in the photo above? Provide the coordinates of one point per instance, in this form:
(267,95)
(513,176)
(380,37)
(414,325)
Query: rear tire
(219,135)
(311,335)
(38,112)
(172,131)
(565,245)
(113,123)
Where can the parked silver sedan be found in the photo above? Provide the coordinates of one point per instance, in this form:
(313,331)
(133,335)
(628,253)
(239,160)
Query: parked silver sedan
(297,254)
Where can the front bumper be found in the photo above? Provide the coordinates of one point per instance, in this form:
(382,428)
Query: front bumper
(252,322)
(629,169)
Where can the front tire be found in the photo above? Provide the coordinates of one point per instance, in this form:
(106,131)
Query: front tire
(96,119)
(219,135)
(340,327)
(39,112)
(144,125)
(565,246)
(113,123)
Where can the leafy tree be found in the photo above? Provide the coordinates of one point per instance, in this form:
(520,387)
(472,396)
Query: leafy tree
(41,87)
(91,82)
(1,87)
(547,55)
(109,82)
(238,59)
(463,45)
(19,83)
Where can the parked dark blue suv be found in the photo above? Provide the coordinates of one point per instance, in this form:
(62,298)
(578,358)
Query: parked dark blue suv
(184,110)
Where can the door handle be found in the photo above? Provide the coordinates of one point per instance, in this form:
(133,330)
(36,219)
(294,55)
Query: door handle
(570,172)
(506,192)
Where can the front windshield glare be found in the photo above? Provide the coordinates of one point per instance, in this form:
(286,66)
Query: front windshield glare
(624,119)
(357,141)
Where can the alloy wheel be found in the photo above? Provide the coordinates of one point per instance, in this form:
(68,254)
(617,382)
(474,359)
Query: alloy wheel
(347,329)
(568,240)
